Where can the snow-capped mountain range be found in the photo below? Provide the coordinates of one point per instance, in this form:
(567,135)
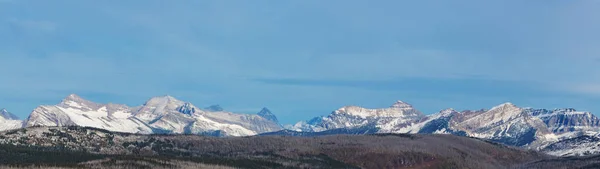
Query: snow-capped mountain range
(505,123)
(164,114)
(552,131)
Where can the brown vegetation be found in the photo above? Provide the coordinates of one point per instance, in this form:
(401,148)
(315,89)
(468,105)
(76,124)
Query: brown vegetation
(334,151)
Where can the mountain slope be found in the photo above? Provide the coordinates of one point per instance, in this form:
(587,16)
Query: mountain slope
(74,110)
(507,124)
(578,146)
(439,123)
(9,121)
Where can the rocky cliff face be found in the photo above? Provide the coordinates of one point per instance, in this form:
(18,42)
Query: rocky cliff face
(567,121)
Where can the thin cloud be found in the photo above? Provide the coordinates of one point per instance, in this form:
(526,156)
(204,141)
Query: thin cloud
(442,86)
(585,89)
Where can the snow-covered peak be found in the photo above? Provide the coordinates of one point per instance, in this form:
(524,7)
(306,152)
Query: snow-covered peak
(76,102)
(9,121)
(504,106)
(162,105)
(4,114)
(401,104)
(266,113)
(162,101)
(164,98)
(73,97)
(399,109)
(495,116)
(505,111)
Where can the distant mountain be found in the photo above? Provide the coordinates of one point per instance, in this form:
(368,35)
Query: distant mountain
(554,131)
(266,113)
(508,124)
(214,108)
(9,121)
(387,119)
(505,123)
(439,123)
(347,131)
(74,110)
(164,114)
(567,122)
(4,114)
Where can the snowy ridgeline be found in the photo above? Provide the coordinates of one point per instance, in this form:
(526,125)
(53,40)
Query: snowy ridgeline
(163,114)
(538,129)
(506,123)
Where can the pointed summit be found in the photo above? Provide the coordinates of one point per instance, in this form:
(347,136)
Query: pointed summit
(401,104)
(73,97)
(266,113)
(7,115)
(164,100)
(74,101)
(214,108)
(507,105)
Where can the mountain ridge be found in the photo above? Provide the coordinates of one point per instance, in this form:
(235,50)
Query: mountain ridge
(164,114)
(505,123)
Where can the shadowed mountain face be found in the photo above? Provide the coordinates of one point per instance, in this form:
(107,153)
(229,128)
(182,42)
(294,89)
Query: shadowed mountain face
(4,114)
(266,113)
(335,151)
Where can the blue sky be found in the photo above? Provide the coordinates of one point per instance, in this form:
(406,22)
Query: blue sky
(302,58)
